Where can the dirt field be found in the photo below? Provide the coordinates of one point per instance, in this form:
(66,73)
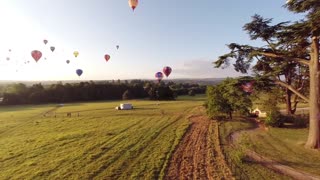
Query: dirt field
(198,156)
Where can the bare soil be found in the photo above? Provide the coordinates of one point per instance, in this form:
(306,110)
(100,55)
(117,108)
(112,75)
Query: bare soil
(198,155)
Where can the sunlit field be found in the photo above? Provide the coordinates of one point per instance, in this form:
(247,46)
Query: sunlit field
(97,141)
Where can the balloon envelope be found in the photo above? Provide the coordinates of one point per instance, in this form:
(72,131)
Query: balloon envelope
(76,53)
(167,70)
(52,48)
(107,57)
(159,76)
(133,4)
(79,72)
(36,55)
(248,87)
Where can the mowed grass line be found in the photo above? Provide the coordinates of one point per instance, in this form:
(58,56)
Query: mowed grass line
(99,143)
(286,146)
(251,169)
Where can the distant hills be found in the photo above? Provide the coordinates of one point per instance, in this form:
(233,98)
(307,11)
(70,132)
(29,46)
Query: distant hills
(201,81)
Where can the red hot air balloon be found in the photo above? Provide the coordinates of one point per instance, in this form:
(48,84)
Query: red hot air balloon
(107,57)
(36,55)
(159,76)
(167,70)
(133,4)
(45,41)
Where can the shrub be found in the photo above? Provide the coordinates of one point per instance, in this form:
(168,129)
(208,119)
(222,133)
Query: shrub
(299,122)
(274,119)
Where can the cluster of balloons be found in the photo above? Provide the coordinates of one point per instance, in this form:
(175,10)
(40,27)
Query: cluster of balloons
(36,55)
(166,71)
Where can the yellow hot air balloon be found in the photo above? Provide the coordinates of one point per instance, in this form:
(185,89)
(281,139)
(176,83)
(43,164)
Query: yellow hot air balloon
(76,53)
(133,4)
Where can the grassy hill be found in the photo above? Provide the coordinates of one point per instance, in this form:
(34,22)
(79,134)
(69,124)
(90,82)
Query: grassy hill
(97,141)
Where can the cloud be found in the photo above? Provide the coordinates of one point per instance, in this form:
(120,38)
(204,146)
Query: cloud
(202,68)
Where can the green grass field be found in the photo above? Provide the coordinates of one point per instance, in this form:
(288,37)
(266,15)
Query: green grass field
(99,143)
(252,170)
(287,147)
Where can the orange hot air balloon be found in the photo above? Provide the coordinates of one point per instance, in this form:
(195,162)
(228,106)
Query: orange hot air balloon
(107,57)
(76,53)
(36,55)
(133,4)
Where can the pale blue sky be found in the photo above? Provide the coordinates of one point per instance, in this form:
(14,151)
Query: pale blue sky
(186,35)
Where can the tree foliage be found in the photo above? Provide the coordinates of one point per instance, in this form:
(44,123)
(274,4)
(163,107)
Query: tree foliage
(227,98)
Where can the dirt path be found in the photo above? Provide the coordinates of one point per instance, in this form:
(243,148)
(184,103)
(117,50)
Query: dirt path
(274,165)
(198,156)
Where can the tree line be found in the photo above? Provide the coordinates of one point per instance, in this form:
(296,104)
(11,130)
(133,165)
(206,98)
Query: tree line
(20,93)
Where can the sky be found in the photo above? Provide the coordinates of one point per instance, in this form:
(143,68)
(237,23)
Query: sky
(186,35)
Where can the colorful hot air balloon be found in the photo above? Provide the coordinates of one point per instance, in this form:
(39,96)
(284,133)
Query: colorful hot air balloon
(159,76)
(248,87)
(52,48)
(167,70)
(67,61)
(107,57)
(36,55)
(79,72)
(133,4)
(45,41)
(76,53)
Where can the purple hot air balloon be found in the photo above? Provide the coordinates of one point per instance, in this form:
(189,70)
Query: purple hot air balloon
(159,76)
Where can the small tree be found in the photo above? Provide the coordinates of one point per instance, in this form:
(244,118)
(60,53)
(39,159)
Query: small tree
(127,95)
(191,92)
(226,98)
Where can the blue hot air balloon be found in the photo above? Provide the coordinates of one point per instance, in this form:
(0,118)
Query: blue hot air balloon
(79,72)
(159,76)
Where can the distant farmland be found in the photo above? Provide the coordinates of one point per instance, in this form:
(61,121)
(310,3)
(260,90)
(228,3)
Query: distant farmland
(97,141)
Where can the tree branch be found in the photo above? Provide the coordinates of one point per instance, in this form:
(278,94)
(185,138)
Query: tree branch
(273,55)
(292,89)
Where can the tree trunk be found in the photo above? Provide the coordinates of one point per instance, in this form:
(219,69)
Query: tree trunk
(314,103)
(288,101)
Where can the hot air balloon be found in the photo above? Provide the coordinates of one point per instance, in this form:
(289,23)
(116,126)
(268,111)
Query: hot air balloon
(107,57)
(9,50)
(79,72)
(133,4)
(36,55)
(159,76)
(67,61)
(117,46)
(45,41)
(248,87)
(76,53)
(167,70)
(7,58)
(52,48)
